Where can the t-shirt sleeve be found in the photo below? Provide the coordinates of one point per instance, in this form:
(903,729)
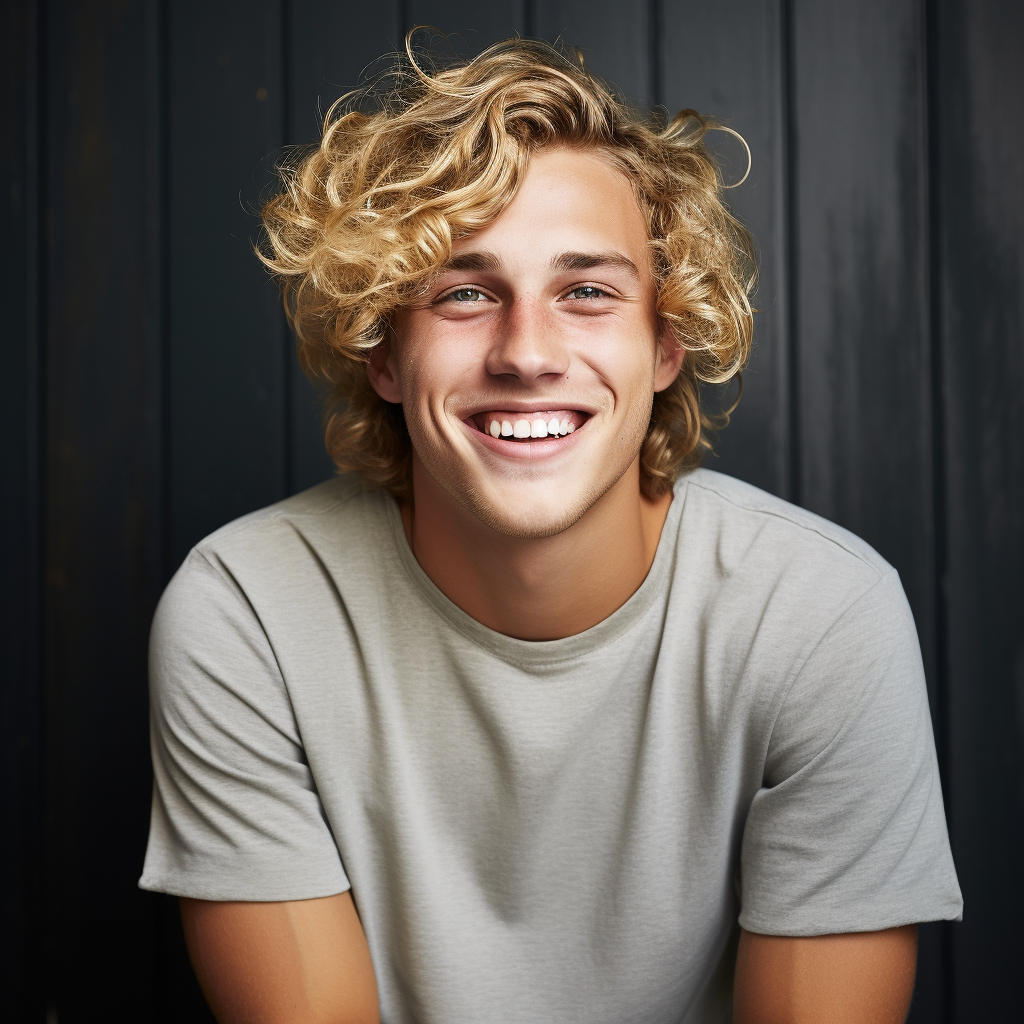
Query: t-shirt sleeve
(848,831)
(236,815)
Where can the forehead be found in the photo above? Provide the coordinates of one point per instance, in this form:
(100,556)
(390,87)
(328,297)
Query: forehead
(569,200)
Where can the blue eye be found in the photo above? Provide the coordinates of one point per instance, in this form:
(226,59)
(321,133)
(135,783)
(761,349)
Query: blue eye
(586,291)
(466,295)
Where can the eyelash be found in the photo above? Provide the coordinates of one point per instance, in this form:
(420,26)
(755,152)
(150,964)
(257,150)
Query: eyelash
(595,293)
(459,291)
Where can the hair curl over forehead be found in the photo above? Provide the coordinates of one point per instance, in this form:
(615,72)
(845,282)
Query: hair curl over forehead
(365,220)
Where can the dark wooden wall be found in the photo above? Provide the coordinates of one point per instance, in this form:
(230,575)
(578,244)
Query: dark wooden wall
(149,391)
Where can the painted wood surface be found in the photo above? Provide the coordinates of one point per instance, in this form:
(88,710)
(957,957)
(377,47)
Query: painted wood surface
(21,724)
(617,43)
(102,432)
(151,392)
(226,351)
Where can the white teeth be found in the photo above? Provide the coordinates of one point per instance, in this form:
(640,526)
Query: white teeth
(534,428)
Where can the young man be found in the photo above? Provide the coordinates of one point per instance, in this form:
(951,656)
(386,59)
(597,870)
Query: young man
(528,719)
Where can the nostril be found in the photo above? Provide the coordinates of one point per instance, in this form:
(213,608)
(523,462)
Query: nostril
(527,355)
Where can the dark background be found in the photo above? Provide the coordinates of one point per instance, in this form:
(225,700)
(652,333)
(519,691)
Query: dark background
(150,393)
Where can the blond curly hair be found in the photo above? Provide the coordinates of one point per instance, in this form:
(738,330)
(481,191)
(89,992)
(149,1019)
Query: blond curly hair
(365,220)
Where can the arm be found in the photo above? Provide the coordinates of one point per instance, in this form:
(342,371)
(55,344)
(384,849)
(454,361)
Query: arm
(294,962)
(829,979)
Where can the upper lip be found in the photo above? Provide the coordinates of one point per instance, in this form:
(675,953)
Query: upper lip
(507,405)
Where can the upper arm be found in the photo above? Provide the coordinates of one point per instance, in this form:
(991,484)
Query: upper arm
(291,962)
(840,979)
(847,832)
(237,819)
(236,811)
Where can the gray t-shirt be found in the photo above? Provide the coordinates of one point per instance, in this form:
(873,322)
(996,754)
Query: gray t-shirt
(549,831)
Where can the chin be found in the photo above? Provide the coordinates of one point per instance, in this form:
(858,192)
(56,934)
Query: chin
(536,527)
(528,515)
(528,503)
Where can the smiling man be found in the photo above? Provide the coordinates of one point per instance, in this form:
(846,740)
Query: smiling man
(526,718)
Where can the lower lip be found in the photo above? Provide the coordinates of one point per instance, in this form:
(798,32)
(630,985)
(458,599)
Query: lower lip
(537,448)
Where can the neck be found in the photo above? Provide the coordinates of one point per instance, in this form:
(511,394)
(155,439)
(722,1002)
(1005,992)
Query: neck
(544,588)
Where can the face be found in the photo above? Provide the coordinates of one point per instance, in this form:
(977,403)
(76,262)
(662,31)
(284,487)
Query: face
(528,369)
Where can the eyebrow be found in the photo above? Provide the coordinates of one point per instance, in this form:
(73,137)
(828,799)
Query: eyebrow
(590,260)
(483,260)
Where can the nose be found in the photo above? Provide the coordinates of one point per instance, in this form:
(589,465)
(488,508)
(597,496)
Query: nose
(526,343)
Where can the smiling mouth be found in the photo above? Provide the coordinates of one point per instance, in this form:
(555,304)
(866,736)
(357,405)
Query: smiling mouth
(529,426)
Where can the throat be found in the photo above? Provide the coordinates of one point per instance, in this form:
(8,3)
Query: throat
(535,589)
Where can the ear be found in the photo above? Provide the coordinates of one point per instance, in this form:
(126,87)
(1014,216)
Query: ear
(670,358)
(381,369)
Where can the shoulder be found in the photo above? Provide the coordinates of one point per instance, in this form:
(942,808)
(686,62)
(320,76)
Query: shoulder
(254,563)
(808,602)
(337,504)
(742,512)
(739,532)
(773,578)
(340,522)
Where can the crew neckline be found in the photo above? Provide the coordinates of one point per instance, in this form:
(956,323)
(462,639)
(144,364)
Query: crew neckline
(544,653)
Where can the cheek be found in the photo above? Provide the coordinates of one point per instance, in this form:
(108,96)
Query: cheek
(418,374)
(439,378)
(628,366)
(425,386)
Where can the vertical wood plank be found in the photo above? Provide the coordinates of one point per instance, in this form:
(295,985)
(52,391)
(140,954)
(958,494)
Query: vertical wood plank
(978,113)
(330,47)
(726,61)
(862,272)
(21,953)
(227,359)
(616,43)
(101,516)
